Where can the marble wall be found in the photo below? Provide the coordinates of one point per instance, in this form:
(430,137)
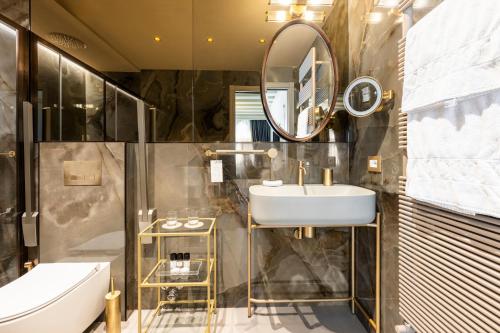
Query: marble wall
(83,223)
(179,178)
(373,52)
(336,27)
(17,11)
(9,216)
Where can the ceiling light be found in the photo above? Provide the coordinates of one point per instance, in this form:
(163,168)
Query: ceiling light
(210,39)
(277,16)
(262,41)
(157,39)
(66,41)
(317,16)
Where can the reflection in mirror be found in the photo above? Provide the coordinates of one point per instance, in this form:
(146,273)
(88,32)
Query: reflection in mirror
(250,122)
(183,67)
(365,96)
(299,81)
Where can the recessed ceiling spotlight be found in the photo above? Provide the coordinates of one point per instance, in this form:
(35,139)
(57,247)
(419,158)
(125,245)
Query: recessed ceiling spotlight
(157,39)
(210,39)
(262,41)
(66,41)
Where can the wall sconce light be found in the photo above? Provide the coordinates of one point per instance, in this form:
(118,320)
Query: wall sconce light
(298,10)
(295,12)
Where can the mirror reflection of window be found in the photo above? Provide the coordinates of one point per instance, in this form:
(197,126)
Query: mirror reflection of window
(251,124)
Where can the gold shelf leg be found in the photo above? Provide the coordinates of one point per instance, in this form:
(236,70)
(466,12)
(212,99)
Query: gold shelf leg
(249,261)
(139,289)
(378,273)
(215,268)
(158,248)
(209,295)
(353,270)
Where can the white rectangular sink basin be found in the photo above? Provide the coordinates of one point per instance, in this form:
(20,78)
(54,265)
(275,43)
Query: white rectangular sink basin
(312,205)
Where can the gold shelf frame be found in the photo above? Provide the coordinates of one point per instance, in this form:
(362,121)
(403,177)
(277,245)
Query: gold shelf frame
(355,305)
(210,281)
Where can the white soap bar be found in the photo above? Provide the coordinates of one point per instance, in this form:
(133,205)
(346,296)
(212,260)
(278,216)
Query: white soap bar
(216,171)
(272,183)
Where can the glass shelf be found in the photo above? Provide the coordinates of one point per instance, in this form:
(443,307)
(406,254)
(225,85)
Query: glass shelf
(160,275)
(156,229)
(165,272)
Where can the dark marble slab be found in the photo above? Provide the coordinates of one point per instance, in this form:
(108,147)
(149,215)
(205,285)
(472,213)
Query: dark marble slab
(9,232)
(373,52)
(171,92)
(17,11)
(211,102)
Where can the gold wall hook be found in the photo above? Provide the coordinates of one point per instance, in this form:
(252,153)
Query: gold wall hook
(9,154)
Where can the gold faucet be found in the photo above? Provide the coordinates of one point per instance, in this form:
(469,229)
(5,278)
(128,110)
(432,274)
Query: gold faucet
(302,173)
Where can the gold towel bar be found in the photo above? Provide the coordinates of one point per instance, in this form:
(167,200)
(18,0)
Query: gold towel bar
(271,153)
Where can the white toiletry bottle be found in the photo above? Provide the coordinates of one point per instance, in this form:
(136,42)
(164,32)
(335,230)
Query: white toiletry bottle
(173,263)
(180,262)
(187,263)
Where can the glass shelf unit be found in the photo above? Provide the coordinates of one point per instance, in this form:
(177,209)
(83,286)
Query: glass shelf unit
(202,274)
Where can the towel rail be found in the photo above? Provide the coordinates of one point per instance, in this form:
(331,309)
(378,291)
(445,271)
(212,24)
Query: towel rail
(271,153)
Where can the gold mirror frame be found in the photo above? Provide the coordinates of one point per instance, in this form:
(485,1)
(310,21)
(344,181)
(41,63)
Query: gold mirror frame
(334,88)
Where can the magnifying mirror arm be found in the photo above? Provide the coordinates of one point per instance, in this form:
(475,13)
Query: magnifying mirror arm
(387,98)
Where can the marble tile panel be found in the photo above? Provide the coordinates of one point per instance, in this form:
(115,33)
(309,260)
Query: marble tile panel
(83,223)
(17,11)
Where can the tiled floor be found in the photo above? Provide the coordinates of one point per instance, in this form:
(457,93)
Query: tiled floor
(300,319)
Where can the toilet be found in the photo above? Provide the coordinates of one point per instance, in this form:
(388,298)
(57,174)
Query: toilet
(55,298)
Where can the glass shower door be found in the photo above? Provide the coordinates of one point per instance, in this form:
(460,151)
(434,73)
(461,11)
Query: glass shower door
(9,233)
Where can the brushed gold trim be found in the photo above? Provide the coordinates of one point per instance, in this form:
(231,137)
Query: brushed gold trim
(211,259)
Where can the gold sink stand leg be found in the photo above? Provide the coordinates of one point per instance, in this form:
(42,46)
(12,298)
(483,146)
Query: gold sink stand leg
(249,262)
(373,322)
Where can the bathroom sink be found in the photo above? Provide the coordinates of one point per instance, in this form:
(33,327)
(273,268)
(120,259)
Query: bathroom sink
(312,205)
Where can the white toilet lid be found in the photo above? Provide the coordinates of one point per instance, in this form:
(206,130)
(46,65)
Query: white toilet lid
(41,286)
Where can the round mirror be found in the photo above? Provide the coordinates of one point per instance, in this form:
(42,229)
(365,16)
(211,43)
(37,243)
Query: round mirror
(299,81)
(363,96)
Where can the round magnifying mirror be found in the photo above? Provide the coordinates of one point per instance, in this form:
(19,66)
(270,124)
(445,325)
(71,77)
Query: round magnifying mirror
(363,96)
(299,81)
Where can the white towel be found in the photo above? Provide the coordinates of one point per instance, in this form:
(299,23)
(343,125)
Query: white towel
(452,97)
(302,123)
